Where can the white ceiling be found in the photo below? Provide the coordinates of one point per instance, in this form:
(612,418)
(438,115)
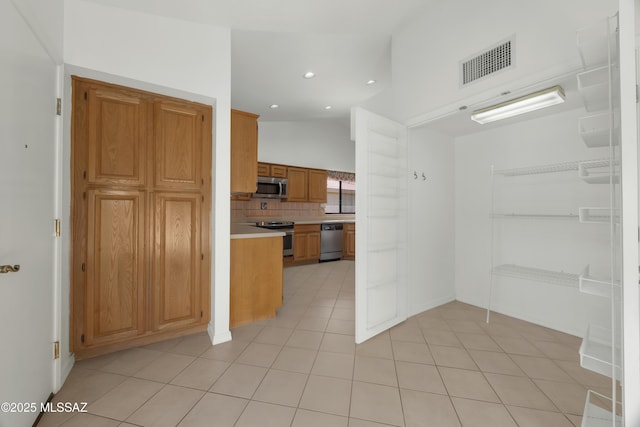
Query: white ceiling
(274,42)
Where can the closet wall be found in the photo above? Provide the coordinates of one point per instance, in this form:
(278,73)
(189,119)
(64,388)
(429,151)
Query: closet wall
(559,245)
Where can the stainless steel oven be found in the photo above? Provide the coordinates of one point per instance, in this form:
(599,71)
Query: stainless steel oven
(287,228)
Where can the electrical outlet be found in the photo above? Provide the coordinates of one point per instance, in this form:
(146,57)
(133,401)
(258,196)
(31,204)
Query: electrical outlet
(263,206)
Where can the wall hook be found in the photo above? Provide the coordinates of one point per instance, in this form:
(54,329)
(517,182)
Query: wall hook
(424,178)
(415,175)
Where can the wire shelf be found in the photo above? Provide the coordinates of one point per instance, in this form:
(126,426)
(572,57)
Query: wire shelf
(597,42)
(568,216)
(538,275)
(598,215)
(598,411)
(593,85)
(599,171)
(595,352)
(595,130)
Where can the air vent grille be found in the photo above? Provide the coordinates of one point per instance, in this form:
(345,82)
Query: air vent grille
(486,63)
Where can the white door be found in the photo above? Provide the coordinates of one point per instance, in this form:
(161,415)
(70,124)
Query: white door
(27,142)
(381,223)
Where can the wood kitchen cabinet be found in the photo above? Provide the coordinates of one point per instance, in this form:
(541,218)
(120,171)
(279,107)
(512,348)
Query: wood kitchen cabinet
(244,151)
(268,169)
(256,279)
(141,203)
(298,184)
(307,185)
(306,243)
(349,241)
(317,186)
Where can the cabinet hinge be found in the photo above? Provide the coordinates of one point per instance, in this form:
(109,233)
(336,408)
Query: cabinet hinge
(203,117)
(85,96)
(202,257)
(56,350)
(201,313)
(58,106)
(82,338)
(84,174)
(84,195)
(57,228)
(84,267)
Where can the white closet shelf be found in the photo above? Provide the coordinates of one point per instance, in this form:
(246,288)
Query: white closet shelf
(598,215)
(599,171)
(595,352)
(595,130)
(598,411)
(539,275)
(593,85)
(568,216)
(553,168)
(598,287)
(597,42)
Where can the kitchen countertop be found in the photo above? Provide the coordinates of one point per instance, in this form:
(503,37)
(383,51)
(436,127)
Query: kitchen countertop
(327,219)
(247,231)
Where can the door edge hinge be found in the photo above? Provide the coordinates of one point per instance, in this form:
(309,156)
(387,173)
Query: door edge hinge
(58,106)
(56,350)
(82,338)
(201,314)
(57,225)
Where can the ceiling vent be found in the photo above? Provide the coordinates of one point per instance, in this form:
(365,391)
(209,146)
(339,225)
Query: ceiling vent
(487,62)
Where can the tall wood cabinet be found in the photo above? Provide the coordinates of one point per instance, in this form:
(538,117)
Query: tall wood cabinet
(244,152)
(141,202)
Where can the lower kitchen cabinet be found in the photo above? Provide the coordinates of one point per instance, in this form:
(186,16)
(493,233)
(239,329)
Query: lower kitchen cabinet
(349,241)
(256,279)
(306,243)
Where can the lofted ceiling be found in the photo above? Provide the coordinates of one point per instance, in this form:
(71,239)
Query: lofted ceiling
(274,42)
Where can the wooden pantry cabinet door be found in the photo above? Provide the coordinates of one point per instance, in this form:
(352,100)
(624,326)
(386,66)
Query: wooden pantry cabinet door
(178,145)
(115,295)
(141,202)
(176,293)
(116,135)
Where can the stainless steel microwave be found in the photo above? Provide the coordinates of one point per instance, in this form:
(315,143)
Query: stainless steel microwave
(271,188)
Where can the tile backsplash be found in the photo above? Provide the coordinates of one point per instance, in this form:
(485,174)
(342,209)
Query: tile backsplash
(274,208)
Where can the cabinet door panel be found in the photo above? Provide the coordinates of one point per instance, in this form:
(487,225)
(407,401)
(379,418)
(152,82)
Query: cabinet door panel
(177,261)
(297,191)
(115,266)
(244,152)
(178,145)
(300,246)
(116,137)
(313,245)
(317,185)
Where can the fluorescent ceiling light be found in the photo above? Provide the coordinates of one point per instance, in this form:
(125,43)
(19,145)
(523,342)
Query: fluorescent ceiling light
(524,104)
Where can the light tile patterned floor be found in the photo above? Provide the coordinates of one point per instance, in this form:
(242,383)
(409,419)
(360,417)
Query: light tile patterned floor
(444,367)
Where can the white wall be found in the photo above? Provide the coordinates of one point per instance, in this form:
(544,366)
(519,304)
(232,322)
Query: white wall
(171,57)
(426,52)
(45,19)
(322,144)
(558,245)
(431,220)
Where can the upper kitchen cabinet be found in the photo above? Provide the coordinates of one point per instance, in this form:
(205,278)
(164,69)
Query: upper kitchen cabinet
(276,171)
(317,191)
(307,185)
(244,151)
(298,183)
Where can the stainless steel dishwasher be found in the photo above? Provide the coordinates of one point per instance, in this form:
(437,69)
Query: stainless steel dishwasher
(330,242)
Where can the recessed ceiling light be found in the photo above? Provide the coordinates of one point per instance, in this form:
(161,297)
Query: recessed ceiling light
(328,107)
(309,75)
(273,106)
(370,82)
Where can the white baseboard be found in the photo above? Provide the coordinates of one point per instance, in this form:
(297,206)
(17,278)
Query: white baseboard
(431,304)
(220,337)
